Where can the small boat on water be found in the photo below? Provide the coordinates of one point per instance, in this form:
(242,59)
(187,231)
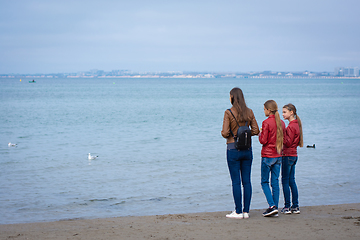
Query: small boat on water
(33,81)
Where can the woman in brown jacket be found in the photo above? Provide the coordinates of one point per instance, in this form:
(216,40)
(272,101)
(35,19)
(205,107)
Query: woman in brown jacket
(239,161)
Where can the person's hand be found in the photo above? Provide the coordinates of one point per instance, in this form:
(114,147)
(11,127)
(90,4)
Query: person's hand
(260,129)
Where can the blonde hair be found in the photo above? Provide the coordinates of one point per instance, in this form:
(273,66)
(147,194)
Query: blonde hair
(273,108)
(291,107)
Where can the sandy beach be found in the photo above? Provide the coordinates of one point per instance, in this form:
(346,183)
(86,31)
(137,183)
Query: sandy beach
(314,222)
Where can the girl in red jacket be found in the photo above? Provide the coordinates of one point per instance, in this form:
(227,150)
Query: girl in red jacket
(293,138)
(271,137)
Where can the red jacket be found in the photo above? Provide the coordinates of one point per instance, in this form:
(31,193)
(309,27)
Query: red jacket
(268,137)
(291,139)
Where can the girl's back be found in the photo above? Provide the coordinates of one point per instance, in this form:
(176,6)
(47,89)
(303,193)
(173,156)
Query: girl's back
(268,137)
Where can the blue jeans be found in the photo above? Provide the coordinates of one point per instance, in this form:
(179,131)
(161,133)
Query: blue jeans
(271,165)
(239,163)
(288,181)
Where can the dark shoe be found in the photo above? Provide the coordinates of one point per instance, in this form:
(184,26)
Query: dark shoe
(295,210)
(285,211)
(270,211)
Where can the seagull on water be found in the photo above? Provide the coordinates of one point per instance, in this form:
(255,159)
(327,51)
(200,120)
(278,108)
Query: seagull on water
(91,157)
(12,144)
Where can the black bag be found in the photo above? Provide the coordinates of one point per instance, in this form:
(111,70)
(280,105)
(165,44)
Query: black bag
(243,136)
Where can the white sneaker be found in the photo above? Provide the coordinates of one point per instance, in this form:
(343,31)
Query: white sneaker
(235,215)
(246,215)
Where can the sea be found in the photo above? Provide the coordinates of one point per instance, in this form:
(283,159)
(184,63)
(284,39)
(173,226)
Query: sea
(159,146)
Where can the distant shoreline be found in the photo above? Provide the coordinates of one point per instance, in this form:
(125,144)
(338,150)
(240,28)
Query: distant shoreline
(341,72)
(178,77)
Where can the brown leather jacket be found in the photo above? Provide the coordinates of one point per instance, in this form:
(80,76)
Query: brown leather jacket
(230,122)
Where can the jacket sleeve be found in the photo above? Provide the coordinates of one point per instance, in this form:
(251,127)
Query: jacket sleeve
(254,125)
(225,132)
(263,136)
(289,136)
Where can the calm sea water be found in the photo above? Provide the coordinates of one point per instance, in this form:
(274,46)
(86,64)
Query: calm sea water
(159,145)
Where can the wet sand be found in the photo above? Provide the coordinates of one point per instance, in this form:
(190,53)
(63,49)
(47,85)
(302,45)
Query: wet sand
(314,222)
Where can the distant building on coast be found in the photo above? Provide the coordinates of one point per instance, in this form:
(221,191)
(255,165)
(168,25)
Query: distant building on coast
(95,73)
(347,71)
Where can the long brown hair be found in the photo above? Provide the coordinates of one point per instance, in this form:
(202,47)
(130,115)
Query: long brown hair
(238,101)
(273,108)
(291,107)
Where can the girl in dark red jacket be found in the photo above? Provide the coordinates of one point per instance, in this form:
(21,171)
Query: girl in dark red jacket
(293,138)
(271,137)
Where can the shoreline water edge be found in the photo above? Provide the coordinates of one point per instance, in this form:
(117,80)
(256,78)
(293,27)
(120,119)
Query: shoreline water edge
(314,222)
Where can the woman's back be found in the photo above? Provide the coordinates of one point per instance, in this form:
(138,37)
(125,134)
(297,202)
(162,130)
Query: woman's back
(230,123)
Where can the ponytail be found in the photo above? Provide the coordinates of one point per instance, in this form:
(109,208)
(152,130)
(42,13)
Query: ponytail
(279,133)
(272,106)
(301,141)
(291,107)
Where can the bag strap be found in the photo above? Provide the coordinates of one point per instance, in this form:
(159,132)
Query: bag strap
(236,122)
(234,117)
(246,123)
(230,126)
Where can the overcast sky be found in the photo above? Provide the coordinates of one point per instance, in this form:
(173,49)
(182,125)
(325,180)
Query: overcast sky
(280,35)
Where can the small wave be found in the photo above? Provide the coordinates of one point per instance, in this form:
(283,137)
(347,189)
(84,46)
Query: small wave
(155,199)
(71,219)
(101,199)
(24,136)
(122,202)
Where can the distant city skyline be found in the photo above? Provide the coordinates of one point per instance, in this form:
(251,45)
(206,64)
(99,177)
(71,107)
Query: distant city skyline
(42,36)
(336,70)
(96,73)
